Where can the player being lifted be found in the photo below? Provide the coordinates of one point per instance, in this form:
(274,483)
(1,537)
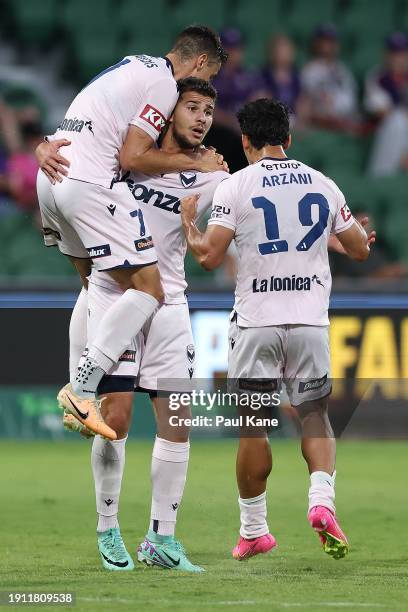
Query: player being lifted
(115,121)
(280,212)
(162,355)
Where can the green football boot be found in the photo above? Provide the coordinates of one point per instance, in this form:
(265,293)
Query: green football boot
(165,552)
(113,551)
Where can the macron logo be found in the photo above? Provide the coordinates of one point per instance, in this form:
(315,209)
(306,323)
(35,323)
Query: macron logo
(154,117)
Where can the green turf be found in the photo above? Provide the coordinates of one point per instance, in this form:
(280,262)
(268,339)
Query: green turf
(48,541)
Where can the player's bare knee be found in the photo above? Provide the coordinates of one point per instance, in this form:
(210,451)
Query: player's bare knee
(116,410)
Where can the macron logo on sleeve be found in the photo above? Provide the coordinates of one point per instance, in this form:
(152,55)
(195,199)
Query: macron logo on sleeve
(154,117)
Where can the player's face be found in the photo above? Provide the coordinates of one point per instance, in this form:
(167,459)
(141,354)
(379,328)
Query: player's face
(192,118)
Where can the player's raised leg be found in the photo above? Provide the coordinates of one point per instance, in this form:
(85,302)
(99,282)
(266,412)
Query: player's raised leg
(118,326)
(168,474)
(319,451)
(108,463)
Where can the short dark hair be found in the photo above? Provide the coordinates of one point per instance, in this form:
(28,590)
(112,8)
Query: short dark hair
(198,85)
(265,122)
(197,39)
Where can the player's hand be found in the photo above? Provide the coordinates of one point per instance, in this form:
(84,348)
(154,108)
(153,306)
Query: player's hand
(51,161)
(335,245)
(371,234)
(211,161)
(189,208)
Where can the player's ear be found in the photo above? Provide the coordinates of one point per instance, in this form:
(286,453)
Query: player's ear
(201,61)
(288,142)
(245,142)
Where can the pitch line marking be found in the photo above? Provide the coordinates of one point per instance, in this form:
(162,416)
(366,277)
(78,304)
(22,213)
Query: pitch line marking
(246,602)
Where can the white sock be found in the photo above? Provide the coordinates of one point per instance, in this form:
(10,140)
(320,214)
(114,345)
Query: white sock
(168,473)
(78,332)
(321,491)
(120,323)
(253,517)
(108,463)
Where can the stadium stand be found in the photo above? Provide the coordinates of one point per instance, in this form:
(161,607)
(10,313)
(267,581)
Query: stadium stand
(93,34)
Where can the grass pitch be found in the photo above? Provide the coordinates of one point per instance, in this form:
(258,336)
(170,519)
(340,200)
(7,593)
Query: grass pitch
(48,531)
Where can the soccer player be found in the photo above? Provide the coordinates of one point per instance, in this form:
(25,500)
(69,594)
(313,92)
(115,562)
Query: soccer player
(280,212)
(162,355)
(114,123)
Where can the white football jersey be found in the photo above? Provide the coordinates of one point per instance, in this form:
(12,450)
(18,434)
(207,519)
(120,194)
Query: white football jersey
(282,213)
(158,197)
(139,90)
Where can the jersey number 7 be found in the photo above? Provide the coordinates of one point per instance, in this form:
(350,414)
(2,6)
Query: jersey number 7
(275,245)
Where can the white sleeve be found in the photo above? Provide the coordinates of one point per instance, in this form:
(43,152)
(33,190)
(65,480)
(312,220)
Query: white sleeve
(224,207)
(343,219)
(160,100)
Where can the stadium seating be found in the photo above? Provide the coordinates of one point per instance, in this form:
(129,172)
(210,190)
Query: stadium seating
(211,12)
(258,20)
(303,19)
(22,251)
(35,21)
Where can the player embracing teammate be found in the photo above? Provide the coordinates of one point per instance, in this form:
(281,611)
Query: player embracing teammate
(112,125)
(280,213)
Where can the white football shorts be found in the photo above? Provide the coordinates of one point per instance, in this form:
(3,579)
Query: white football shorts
(89,221)
(297,355)
(160,358)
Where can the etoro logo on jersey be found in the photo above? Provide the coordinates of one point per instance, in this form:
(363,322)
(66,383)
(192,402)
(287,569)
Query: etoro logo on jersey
(161,200)
(154,117)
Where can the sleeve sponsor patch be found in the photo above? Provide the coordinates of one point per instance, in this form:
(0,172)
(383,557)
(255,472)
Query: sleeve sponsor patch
(218,211)
(345,212)
(154,117)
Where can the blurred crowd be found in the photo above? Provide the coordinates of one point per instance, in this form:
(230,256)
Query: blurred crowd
(323,94)
(21,131)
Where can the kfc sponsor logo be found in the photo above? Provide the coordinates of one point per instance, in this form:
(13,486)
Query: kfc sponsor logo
(154,117)
(345,212)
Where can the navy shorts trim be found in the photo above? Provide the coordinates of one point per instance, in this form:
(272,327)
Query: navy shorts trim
(116,384)
(129,266)
(151,392)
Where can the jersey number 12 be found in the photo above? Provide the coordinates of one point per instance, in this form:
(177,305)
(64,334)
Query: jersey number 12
(275,245)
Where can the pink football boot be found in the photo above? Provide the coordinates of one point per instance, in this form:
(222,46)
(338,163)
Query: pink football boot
(333,539)
(249,548)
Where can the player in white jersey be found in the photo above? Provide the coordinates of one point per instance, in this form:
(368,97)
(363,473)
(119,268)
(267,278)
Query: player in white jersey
(162,356)
(280,213)
(114,123)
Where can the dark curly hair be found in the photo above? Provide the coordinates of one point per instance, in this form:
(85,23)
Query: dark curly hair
(197,39)
(265,122)
(198,85)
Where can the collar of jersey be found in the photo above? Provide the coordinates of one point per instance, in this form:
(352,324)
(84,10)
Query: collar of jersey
(169,64)
(280,159)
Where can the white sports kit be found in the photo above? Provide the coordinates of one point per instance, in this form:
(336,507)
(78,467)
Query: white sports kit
(282,212)
(164,350)
(90,214)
